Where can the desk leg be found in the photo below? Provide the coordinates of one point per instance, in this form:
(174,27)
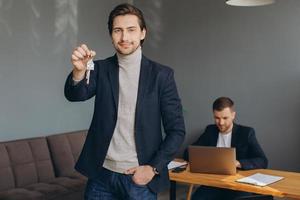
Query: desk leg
(173,190)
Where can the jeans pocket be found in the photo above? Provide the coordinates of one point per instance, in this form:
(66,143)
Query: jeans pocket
(135,184)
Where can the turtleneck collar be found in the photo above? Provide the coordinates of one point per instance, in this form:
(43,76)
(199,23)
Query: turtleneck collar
(131,59)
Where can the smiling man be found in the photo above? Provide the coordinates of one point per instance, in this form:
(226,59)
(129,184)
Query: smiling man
(125,156)
(226,133)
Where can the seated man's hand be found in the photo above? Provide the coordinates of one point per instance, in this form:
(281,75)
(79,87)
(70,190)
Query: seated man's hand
(238,164)
(142,175)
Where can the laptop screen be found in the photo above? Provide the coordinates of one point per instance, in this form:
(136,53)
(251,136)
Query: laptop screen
(214,160)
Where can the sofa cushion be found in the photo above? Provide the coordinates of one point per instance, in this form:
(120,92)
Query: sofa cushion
(6,174)
(65,150)
(69,183)
(77,175)
(25,162)
(78,195)
(22,163)
(20,194)
(42,159)
(50,191)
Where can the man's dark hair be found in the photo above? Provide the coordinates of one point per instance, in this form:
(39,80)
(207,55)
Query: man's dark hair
(126,9)
(223,102)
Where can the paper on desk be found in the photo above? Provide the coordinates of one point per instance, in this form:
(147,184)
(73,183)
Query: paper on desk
(260,179)
(174,164)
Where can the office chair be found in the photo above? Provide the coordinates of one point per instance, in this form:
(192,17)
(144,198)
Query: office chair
(256,197)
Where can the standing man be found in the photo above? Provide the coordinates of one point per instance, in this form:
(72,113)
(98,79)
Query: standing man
(125,156)
(225,133)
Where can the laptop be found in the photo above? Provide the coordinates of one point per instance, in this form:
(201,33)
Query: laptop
(213,160)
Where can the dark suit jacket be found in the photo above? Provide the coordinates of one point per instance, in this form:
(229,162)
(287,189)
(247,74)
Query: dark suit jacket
(157,102)
(248,151)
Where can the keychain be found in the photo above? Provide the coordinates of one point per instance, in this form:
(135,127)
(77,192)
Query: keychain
(90,66)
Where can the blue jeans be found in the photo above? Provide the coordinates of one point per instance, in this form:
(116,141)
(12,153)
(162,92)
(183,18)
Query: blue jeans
(115,186)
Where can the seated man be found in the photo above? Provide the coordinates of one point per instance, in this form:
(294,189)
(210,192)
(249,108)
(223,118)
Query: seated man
(225,133)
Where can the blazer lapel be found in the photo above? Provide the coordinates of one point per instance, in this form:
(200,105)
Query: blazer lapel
(215,136)
(114,79)
(234,135)
(143,83)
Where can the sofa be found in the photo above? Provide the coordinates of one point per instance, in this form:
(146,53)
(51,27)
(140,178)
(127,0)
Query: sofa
(42,168)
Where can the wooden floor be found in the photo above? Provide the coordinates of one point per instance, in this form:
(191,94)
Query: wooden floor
(182,190)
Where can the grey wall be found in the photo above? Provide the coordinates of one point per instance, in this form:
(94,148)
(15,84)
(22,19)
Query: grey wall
(36,40)
(249,54)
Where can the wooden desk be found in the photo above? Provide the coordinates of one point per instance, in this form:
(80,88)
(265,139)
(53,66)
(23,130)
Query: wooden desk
(287,187)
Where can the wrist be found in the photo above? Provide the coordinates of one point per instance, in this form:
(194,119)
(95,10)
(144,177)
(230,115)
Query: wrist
(154,170)
(78,75)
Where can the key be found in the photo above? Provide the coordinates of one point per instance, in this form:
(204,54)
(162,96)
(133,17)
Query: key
(90,66)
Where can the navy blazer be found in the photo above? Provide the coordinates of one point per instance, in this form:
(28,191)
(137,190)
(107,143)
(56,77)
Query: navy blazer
(157,102)
(248,151)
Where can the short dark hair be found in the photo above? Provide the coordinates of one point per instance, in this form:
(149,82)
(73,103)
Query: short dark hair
(126,9)
(223,102)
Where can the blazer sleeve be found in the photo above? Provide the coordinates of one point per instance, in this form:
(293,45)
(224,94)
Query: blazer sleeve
(173,123)
(81,91)
(256,157)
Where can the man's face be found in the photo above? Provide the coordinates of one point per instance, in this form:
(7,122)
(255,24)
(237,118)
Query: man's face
(224,119)
(126,34)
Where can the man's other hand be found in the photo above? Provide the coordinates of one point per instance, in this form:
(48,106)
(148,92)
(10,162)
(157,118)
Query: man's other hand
(142,175)
(238,164)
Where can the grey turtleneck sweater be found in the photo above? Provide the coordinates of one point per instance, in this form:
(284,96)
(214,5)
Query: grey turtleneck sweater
(122,154)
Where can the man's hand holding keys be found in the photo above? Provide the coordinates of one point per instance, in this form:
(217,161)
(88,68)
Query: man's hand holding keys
(80,58)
